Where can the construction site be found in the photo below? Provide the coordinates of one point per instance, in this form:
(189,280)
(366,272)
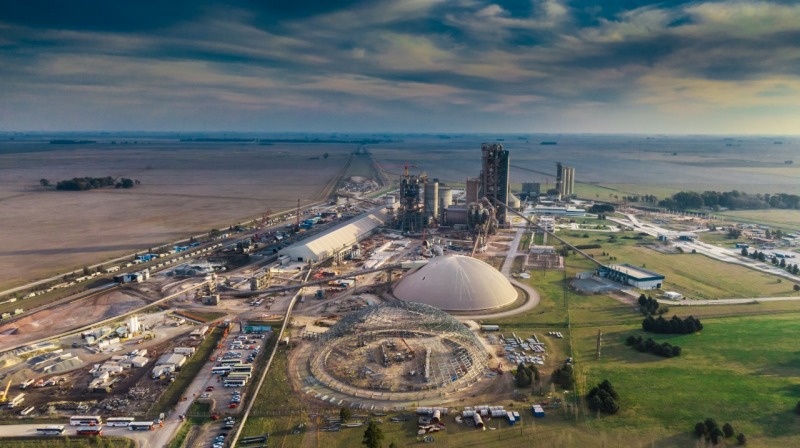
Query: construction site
(383,288)
(398,351)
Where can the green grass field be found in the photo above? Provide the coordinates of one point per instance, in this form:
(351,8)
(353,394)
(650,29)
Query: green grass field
(777,219)
(693,275)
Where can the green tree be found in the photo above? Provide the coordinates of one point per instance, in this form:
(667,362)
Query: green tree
(524,376)
(44,182)
(744,251)
(741,439)
(345,414)
(700,429)
(716,435)
(86,270)
(325,156)
(373,435)
(393,445)
(727,429)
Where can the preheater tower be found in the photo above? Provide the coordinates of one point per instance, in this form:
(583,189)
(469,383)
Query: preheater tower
(494,178)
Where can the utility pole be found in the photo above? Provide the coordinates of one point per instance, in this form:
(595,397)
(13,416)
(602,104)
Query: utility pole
(599,335)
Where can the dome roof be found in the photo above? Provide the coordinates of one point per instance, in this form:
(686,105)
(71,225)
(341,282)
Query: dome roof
(457,283)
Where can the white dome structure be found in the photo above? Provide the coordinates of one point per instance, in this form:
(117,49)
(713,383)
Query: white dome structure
(457,283)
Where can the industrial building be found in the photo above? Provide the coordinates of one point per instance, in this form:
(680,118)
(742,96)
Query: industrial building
(565,180)
(495,178)
(337,240)
(633,276)
(457,283)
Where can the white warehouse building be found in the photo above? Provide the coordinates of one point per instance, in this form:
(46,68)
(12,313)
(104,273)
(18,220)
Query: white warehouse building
(338,239)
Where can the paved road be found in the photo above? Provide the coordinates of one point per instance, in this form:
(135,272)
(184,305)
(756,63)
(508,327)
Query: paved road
(692,302)
(144,439)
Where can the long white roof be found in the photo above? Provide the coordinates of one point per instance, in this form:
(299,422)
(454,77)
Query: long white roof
(457,283)
(337,238)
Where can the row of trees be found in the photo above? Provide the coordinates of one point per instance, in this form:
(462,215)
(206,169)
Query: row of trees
(90,183)
(665,350)
(601,209)
(603,398)
(734,200)
(676,325)
(781,262)
(709,430)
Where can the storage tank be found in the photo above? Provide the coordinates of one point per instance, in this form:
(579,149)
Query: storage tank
(445,197)
(390,199)
(432,199)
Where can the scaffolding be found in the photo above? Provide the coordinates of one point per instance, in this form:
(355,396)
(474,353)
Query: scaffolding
(454,358)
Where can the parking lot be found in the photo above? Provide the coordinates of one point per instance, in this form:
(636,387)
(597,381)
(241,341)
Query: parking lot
(225,392)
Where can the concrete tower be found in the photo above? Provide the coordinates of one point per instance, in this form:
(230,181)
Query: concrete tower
(494,178)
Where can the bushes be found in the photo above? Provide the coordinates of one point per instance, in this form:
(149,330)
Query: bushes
(676,325)
(603,398)
(665,350)
(588,246)
(649,305)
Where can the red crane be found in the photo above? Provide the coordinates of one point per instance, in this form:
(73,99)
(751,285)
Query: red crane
(407,346)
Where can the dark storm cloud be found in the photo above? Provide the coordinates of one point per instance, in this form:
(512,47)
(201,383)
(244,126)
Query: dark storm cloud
(388,61)
(99,15)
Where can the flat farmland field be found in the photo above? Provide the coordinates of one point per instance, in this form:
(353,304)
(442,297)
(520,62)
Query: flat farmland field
(186,188)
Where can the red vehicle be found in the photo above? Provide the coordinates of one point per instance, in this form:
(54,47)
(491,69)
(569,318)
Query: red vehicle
(209,388)
(233,405)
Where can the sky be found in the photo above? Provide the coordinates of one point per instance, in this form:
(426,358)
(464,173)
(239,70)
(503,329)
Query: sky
(429,66)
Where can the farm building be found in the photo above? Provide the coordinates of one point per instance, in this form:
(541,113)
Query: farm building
(633,276)
(338,239)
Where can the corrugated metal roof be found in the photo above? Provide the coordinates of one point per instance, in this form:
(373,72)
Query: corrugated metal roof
(337,238)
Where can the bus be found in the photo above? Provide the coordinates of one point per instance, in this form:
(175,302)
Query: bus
(240,375)
(229,362)
(51,430)
(119,421)
(90,431)
(86,420)
(239,368)
(235,382)
(221,370)
(141,426)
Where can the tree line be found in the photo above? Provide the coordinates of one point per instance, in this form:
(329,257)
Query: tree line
(780,262)
(665,350)
(91,183)
(676,325)
(733,200)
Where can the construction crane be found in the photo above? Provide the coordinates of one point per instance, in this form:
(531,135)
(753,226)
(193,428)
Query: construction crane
(411,350)
(4,397)
(405,167)
(265,217)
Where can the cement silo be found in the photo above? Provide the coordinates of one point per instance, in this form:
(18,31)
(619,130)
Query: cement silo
(431,200)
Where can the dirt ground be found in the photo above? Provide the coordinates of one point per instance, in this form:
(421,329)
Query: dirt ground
(185,188)
(64,317)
